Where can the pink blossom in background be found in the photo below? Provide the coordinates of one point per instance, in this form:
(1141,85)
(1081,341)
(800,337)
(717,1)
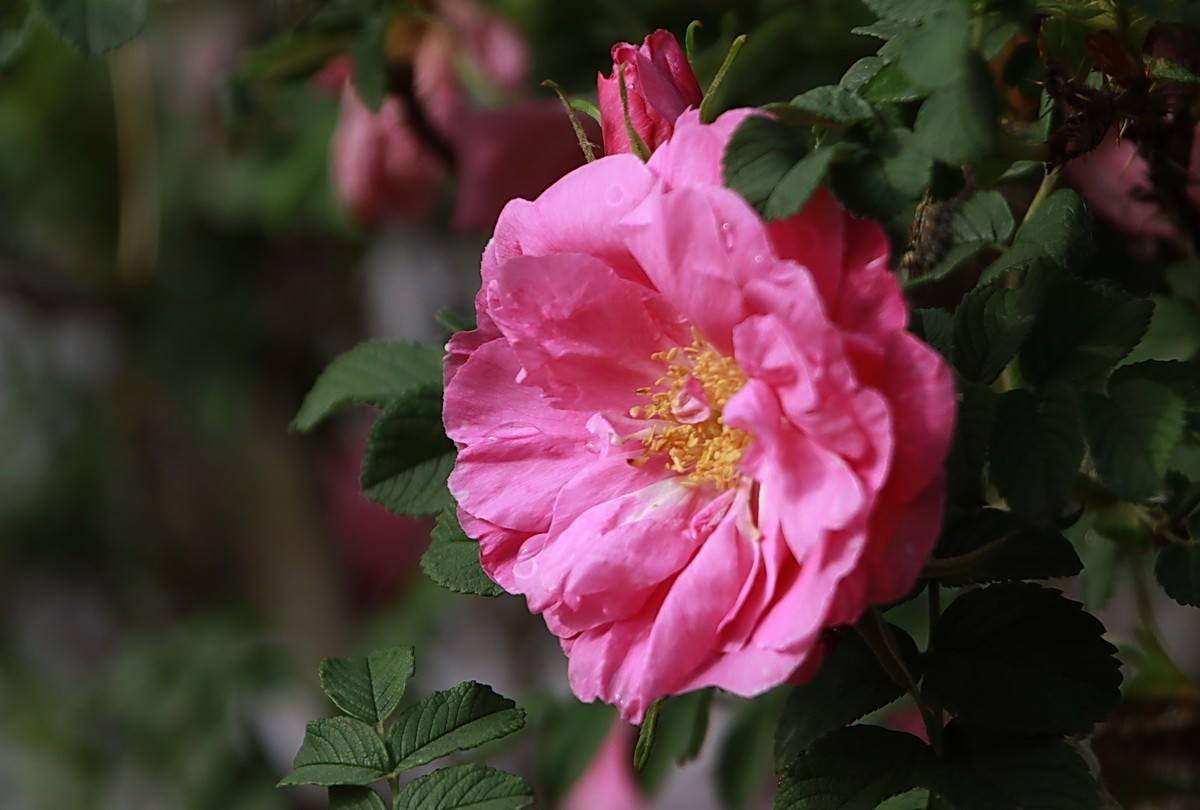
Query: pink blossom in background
(1114,180)
(659,84)
(381,550)
(380,168)
(490,171)
(692,440)
(608,782)
(392,164)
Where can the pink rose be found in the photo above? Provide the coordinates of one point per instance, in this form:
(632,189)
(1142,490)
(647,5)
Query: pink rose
(380,168)
(1114,180)
(393,164)
(660,86)
(608,781)
(692,440)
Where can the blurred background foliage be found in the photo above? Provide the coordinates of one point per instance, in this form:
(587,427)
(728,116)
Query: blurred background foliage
(175,270)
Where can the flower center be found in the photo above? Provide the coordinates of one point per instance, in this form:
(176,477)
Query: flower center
(686,405)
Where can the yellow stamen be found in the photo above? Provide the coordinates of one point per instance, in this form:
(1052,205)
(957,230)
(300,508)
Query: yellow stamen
(707,451)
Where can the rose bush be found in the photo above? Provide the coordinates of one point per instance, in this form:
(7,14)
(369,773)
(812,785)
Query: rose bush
(690,438)
(659,86)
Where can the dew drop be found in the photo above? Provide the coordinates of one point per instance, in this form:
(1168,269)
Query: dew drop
(513,430)
(614,195)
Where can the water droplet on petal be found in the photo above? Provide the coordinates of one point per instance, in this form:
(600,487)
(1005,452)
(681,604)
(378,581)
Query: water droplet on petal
(614,195)
(514,430)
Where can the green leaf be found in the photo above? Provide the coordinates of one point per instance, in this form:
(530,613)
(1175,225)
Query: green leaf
(94,27)
(937,53)
(1020,657)
(1174,332)
(1018,255)
(797,185)
(368,688)
(985,217)
(957,123)
(889,85)
(915,799)
(861,72)
(338,751)
(466,787)
(370,63)
(972,437)
(1163,69)
(409,457)
(986,771)
(465,716)
(849,685)
(1132,434)
(854,768)
(906,10)
(672,734)
(354,798)
(1060,228)
(1035,452)
(1082,328)
(833,105)
(994,546)
(452,560)
(935,327)
(906,164)
(1177,569)
(761,151)
(1182,378)
(375,373)
(15,19)
(743,763)
(989,326)
(571,736)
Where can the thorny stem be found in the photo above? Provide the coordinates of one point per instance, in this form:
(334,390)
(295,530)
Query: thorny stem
(875,632)
(589,151)
(710,96)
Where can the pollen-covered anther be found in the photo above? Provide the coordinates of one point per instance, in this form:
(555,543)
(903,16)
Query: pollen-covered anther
(686,407)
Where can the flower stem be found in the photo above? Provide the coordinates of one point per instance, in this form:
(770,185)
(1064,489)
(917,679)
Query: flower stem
(875,632)
(710,96)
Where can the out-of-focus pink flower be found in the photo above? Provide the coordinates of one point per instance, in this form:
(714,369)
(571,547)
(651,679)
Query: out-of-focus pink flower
(381,550)
(1114,180)
(380,167)
(465,118)
(509,152)
(660,85)
(608,782)
(692,440)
